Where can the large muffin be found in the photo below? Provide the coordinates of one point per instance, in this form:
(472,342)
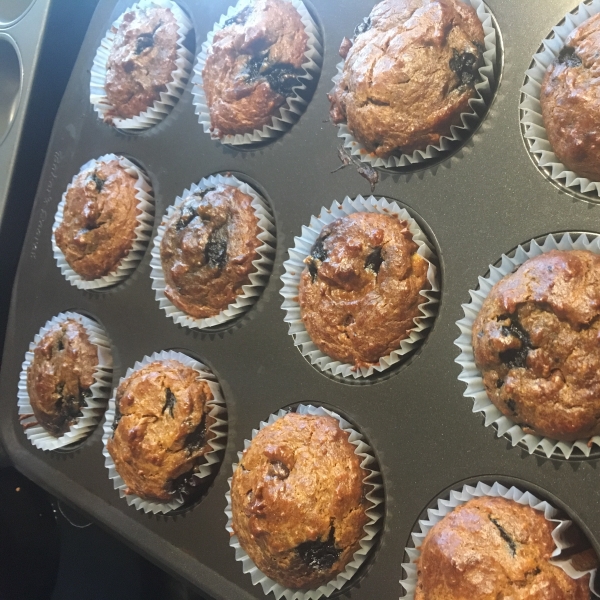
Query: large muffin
(161,428)
(570,99)
(536,343)
(298,500)
(60,376)
(492,548)
(360,291)
(99,219)
(252,66)
(408,74)
(208,248)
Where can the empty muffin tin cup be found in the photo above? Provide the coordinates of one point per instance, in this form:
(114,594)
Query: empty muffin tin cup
(174,89)
(94,407)
(217,441)
(295,265)
(472,376)
(372,527)
(12,81)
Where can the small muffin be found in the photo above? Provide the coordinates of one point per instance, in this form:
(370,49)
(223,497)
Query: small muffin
(141,62)
(207,250)
(99,219)
(491,548)
(252,66)
(161,429)
(298,500)
(361,289)
(535,341)
(570,99)
(408,74)
(60,376)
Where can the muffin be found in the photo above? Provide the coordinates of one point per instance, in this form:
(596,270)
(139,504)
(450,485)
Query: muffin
(408,74)
(161,429)
(535,342)
(208,248)
(253,65)
(492,548)
(570,99)
(60,376)
(361,288)
(298,500)
(99,219)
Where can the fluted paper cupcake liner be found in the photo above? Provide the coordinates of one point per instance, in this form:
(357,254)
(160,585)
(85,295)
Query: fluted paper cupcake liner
(469,120)
(457,498)
(161,108)
(95,406)
(294,105)
(531,109)
(472,376)
(143,230)
(258,278)
(375,513)
(294,267)
(218,430)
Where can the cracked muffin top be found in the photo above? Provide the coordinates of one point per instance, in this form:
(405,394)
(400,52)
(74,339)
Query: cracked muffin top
(298,501)
(252,66)
(570,99)
(361,289)
(60,376)
(141,62)
(99,219)
(160,429)
(535,341)
(408,74)
(208,249)
(491,548)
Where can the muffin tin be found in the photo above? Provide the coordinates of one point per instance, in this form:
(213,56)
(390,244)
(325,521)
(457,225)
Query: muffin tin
(477,204)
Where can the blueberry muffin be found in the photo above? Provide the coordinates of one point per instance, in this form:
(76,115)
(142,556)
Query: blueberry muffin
(570,99)
(253,65)
(298,500)
(408,74)
(99,219)
(361,289)
(208,248)
(491,548)
(60,376)
(161,429)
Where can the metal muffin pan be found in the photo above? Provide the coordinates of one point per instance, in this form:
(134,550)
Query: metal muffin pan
(479,203)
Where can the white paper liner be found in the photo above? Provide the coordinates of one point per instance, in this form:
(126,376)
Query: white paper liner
(258,278)
(161,108)
(371,528)
(294,267)
(217,410)
(143,230)
(531,110)
(472,376)
(294,105)
(457,498)
(478,105)
(92,413)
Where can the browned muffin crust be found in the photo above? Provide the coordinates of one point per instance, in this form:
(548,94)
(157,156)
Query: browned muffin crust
(408,74)
(99,220)
(207,250)
(60,376)
(161,428)
(141,61)
(252,66)
(570,99)
(492,548)
(298,501)
(360,291)
(536,343)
